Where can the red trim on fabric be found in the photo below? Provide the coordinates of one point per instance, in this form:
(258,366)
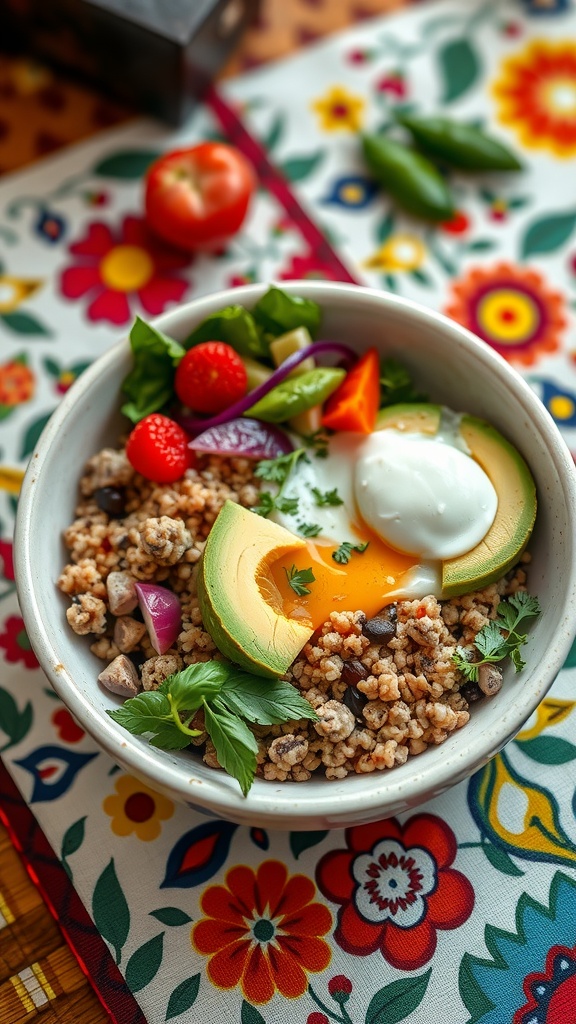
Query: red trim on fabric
(275,182)
(48,875)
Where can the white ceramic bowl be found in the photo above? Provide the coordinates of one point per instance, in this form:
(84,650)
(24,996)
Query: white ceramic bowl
(454,368)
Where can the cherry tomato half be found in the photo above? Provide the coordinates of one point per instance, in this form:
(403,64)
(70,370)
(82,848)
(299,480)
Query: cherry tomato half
(197,198)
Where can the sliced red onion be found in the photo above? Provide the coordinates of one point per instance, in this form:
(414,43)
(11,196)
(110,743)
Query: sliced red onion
(162,614)
(248,438)
(193,425)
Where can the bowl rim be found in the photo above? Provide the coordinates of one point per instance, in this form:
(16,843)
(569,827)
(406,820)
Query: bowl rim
(217,796)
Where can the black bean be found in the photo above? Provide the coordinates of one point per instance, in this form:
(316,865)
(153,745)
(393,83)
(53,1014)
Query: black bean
(353,671)
(471,692)
(111,500)
(379,630)
(355,702)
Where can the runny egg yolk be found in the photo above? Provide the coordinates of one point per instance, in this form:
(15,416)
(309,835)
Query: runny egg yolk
(365,582)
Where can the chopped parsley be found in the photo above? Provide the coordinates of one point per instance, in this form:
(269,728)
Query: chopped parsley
(298,578)
(343,553)
(309,529)
(277,471)
(327,497)
(500,638)
(396,384)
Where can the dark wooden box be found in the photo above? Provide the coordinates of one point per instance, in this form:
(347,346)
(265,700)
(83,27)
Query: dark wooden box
(158,55)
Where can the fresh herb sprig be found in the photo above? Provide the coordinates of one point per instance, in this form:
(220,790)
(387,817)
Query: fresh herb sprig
(298,578)
(324,498)
(501,637)
(229,698)
(343,553)
(317,442)
(277,471)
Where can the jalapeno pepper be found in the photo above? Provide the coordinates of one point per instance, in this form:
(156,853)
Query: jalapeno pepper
(460,145)
(296,394)
(409,177)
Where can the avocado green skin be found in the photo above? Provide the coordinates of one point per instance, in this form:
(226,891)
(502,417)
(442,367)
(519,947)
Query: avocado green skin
(409,177)
(224,640)
(460,145)
(463,574)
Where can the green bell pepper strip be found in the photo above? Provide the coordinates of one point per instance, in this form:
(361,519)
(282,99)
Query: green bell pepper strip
(409,177)
(297,394)
(460,145)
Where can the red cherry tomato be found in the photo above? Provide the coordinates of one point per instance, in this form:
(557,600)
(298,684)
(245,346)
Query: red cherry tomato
(197,198)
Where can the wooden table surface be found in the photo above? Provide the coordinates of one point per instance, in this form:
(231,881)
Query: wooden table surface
(40,112)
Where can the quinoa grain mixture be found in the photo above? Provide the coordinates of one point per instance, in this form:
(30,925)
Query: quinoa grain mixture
(384,689)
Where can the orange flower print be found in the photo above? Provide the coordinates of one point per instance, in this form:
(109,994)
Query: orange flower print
(263,932)
(135,809)
(16,384)
(536,96)
(511,308)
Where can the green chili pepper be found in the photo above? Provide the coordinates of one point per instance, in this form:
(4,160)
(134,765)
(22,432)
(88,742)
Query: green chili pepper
(460,145)
(409,177)
(297,394)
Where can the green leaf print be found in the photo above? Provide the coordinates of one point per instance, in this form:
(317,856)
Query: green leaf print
(71,842)
(32,435)
(24,323)
(300,841)
(548,749)
(275,132)
(110,910)
(144,963)
(183,996)
(14,723)
(298,168)
(500,860)
(548,233)
(126,166)
(250,1015)
(397,1000)
(172,916)
(459,66)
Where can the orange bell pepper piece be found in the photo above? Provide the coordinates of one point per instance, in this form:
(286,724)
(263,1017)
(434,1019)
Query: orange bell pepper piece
(354,405)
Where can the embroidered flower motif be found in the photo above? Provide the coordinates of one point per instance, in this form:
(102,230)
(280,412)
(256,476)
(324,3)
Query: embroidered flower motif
(14,641)
(531,978)
(17,384)
(396,887)
(117,270)
(536,96)
(339,110)
(14,290)
(50,226)
(66,726)
(262,931)
(511,308)
(393,84)
(136,809)
(307,268)
(399,252)
(352,192)
(6,560)
(457,225)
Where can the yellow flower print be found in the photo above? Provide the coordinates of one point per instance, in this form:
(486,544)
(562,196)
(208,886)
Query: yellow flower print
(136,809)
(339,110)
(536,96)
(14,290)
(399,252)
(11,479)
(549,712)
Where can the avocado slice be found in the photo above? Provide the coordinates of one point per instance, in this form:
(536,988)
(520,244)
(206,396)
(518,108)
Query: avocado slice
(506,539)
(232,582)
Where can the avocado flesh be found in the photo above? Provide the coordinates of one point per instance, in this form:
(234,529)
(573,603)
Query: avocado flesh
(233,578)
(506,539)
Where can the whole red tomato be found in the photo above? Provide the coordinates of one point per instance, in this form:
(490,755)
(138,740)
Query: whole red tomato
(197,198)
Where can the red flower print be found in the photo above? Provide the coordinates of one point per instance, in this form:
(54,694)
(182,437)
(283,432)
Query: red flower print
(394,84)
(14,640)
(6,560)
(66,726)
(457,225)
(302,268)
(117,269)
(395,887)
(262,932)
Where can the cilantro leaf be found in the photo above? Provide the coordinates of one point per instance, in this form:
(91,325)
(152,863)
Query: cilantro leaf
(265,701)
(235,745)
(309,529)
(278,470)
(327,497)
(287,505)
(343,553)
(396,384)
(297,578)
(150,713)
(268,503)
(500,638)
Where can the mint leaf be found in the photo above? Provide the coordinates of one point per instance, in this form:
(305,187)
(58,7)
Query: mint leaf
(264,701)
(298,578)
(343,553)
(150,713)
(327,497)
(188,687)
(235,745)
(150,383)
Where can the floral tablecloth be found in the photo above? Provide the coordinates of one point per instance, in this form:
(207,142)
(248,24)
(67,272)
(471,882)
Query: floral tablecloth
(206,920)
